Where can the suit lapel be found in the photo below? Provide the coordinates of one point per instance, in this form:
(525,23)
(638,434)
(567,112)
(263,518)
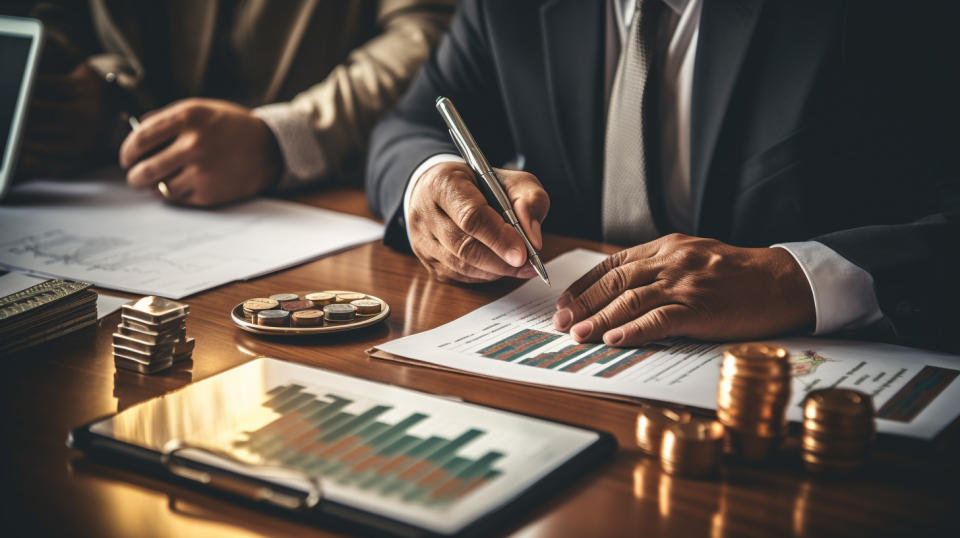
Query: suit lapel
(301,15)
(572,32)
(193,24)
(726,29)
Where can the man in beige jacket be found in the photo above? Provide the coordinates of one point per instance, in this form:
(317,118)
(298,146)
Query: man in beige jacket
(243,96)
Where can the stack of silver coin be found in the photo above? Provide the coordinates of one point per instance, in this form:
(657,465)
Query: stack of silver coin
(152,335)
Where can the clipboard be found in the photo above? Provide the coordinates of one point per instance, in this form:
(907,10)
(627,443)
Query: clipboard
(350,471)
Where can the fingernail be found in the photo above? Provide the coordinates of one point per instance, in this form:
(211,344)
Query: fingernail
(562,319)
(515,257)
(582,330)
(614,337)
(564,300)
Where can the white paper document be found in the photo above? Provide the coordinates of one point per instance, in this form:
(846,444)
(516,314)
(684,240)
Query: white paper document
(914,391)
(103,232)
(14,282)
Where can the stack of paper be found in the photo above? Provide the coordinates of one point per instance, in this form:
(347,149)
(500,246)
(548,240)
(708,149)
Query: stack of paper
(45,311)
(103,232)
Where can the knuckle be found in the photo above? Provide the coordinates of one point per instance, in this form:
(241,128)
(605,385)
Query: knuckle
(659,321)
(615,281)
(462,266)
(465,246)
(687,256)
(144,173)
(469,218)
(193,146)
(602,319)
(631,301)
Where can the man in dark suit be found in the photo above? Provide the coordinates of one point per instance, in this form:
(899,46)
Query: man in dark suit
(808,149)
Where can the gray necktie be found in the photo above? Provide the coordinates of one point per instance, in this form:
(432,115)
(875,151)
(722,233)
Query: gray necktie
(626,208)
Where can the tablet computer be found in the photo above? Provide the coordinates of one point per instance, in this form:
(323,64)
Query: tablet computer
(20,41)
(350,452)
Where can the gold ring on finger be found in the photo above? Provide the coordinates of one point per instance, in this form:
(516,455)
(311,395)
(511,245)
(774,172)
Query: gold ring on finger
(164,190)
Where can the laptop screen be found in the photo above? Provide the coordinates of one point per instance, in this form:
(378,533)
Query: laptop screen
(14,51)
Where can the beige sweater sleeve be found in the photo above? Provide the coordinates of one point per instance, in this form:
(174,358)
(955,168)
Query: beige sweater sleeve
(333,118)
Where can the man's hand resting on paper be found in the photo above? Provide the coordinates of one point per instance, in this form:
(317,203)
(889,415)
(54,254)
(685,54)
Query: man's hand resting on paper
(687,286)
(457,235)
(208,152)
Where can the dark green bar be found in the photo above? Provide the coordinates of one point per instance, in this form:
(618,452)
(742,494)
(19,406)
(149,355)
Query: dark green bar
(287,453)
(480,467)
(282,396)
(356,423)
(445,453)
(294,403)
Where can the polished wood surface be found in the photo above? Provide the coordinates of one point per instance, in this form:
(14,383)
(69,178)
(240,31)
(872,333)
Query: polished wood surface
(49,489)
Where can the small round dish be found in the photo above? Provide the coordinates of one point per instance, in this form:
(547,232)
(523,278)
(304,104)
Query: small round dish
(359,322)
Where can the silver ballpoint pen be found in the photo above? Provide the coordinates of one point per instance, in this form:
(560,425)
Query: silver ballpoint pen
(478,163)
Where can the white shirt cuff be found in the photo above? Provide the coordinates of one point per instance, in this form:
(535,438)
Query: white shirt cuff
(303,157)
(843,294)
(415,176)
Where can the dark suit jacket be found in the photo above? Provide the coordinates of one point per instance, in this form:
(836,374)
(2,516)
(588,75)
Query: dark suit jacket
(831,120)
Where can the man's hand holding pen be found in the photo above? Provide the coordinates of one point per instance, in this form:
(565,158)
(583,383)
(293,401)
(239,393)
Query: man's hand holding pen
(458,236)
(206,151)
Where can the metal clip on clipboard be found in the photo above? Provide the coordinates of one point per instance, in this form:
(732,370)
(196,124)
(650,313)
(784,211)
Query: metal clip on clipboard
(229,474)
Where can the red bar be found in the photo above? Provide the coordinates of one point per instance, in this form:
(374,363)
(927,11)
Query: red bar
(595,358)
(623,365)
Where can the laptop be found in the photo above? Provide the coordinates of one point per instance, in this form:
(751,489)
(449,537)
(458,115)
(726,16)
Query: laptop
(20,41)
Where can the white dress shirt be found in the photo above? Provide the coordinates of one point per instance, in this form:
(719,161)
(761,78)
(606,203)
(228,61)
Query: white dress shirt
(843,294)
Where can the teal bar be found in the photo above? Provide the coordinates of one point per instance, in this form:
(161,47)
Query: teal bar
(415,454)
(418,492)
(358,422)
(441,456)
(282,396)
(294,403)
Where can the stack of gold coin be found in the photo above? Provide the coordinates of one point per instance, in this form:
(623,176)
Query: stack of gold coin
(838,429)
(752,398)
(692,449)
(651,423)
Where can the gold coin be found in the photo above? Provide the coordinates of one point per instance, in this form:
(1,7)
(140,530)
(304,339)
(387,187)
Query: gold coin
(367,307)
(822,464)
(837,404)
(258,304)
(839,448)
(853,429)
(769,390)
(768,370)
(349,296)
(745,413)
(321,298)
(306,318)
(651,422)
(757,351)
(751,447)
(693,448)
(757,428)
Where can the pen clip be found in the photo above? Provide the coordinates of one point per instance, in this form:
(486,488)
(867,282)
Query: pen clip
(227,473)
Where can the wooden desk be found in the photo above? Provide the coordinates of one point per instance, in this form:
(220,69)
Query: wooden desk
(52,490)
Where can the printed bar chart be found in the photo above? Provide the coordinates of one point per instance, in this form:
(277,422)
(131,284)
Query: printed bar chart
(521,347)
(516,345)
(316,435)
